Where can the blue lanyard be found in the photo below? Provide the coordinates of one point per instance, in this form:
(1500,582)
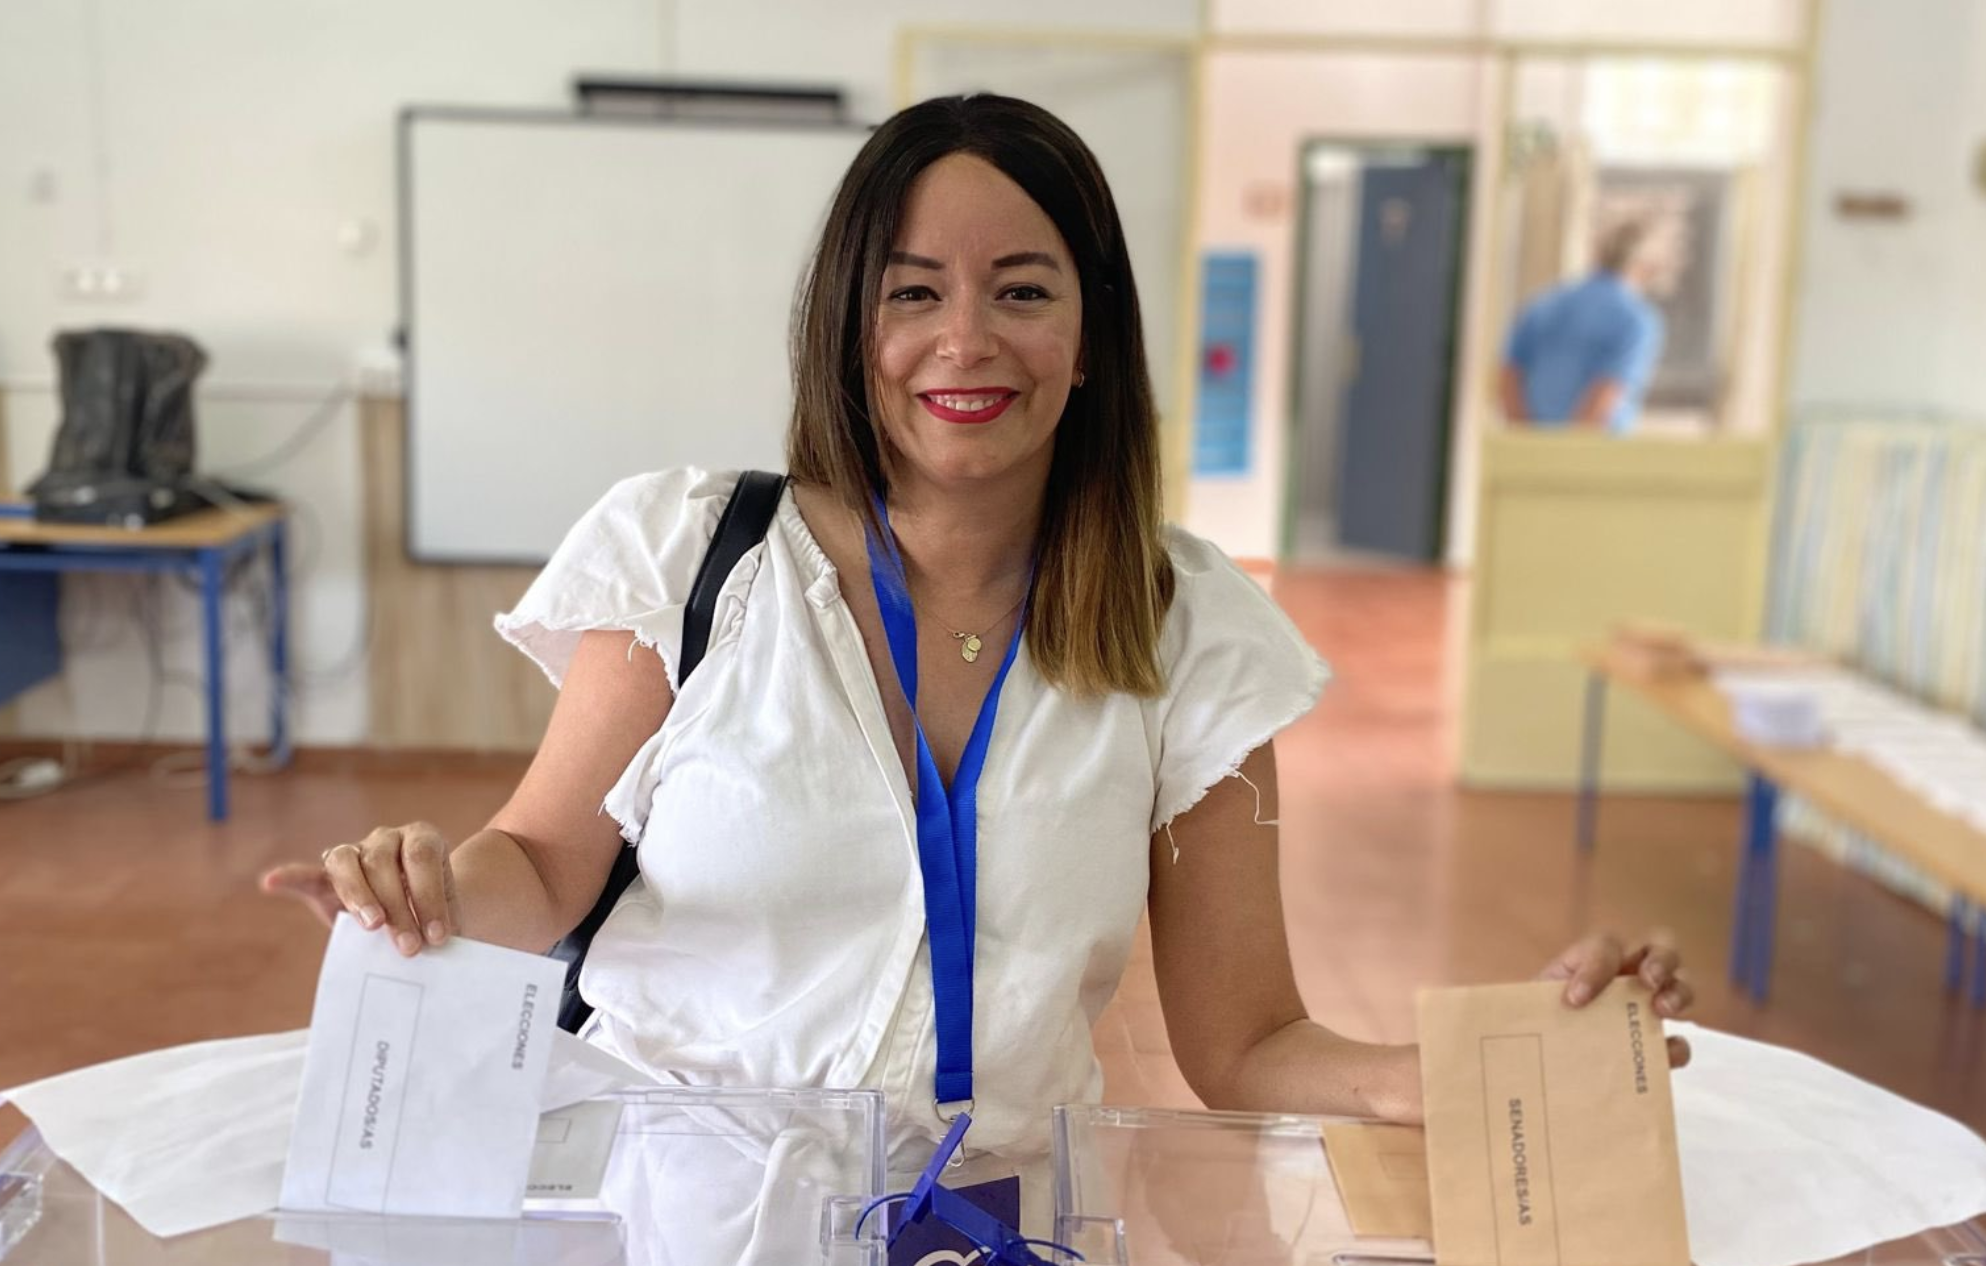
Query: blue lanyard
(947,828)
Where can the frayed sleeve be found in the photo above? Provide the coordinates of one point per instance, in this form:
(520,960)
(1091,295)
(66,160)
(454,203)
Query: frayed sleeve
(1238,673)
(627,564)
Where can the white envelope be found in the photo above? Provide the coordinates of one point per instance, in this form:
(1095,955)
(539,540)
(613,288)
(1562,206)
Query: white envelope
(423,1079)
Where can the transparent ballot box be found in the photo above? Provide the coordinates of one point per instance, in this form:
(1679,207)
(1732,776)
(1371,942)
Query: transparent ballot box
(672,1177)
(1144,1187)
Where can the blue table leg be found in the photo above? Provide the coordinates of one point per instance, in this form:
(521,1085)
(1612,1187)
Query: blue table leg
(1589,760)
(1765,918)
(1741,910)
(1978,958)
(279,643)
(213,579)
(1957,933)
(1753,914)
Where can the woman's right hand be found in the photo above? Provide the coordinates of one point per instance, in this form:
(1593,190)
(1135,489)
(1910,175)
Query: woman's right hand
(398,878)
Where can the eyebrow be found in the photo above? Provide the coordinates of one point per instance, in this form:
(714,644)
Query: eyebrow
(1019,258)
(1015,260)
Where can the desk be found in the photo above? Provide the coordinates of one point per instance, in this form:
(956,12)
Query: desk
(696,1175)
(200,545)
(1153,1187)
(1847,787)
(1151,1178)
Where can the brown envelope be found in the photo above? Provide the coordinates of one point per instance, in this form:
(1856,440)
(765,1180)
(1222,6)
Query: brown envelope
(1382,1176)
(1551,1133)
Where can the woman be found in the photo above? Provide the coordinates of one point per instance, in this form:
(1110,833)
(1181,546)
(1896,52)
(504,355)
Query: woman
(972,542)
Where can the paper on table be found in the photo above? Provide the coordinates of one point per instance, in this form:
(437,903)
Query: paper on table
(423,1078)
(1786,1159)
(1551,1133)
(220,1110)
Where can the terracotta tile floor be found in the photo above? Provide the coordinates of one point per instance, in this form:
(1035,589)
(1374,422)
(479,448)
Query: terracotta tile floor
(127,922)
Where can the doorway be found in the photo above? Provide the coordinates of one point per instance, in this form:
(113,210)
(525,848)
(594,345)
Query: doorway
(1381,232)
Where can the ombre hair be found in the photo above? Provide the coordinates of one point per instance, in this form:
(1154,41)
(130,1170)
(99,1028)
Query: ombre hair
(1103,581)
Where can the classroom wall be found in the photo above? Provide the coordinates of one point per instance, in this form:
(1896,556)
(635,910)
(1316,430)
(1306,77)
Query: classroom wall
(1893,313)
(854,41)
(1964,379)
(237,160)
(1688,21)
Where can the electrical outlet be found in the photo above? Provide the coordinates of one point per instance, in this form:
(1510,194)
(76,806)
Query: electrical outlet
(102,283)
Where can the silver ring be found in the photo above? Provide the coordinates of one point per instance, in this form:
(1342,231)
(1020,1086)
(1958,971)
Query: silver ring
(963,1106)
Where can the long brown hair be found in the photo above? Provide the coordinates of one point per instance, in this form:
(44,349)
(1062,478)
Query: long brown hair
(1103,580)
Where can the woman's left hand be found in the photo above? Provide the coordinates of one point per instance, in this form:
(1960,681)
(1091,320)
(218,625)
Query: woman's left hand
(1588,967)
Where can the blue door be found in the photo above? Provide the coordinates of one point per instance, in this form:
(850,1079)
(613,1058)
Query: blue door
(1393,460)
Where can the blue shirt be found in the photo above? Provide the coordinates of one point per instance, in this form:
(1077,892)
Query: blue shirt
(1578,334)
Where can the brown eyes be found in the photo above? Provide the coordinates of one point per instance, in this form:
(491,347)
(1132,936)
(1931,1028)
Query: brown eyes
(919,294)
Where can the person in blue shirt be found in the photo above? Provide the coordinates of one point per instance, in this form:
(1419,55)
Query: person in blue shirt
(1581,354)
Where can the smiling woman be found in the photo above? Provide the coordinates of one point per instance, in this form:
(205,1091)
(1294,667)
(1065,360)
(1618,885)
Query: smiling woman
(966,337)
(967,712)
(974,269)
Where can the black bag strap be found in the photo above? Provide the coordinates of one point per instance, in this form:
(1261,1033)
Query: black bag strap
(746,518)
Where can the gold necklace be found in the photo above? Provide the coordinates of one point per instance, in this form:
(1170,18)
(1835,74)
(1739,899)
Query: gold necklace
(970,644)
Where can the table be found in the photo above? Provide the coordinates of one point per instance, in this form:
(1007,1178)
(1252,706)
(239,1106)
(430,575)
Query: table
(200,545)
(1134,1187)
(1847,787)
(1156,1187)
(696,1175)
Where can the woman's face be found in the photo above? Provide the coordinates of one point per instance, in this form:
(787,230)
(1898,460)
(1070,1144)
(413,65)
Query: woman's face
(980,328)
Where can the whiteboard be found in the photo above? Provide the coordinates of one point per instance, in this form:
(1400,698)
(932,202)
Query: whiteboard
(585,299)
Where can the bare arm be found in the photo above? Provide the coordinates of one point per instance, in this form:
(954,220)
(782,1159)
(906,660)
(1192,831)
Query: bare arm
(1599,402)
(1510,390)
(528,877)
(1237,1024)
(540,864)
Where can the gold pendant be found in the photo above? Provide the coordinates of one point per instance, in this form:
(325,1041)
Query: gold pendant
(969,648)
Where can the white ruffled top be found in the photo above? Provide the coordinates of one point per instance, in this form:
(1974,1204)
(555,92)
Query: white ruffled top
(776,935)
